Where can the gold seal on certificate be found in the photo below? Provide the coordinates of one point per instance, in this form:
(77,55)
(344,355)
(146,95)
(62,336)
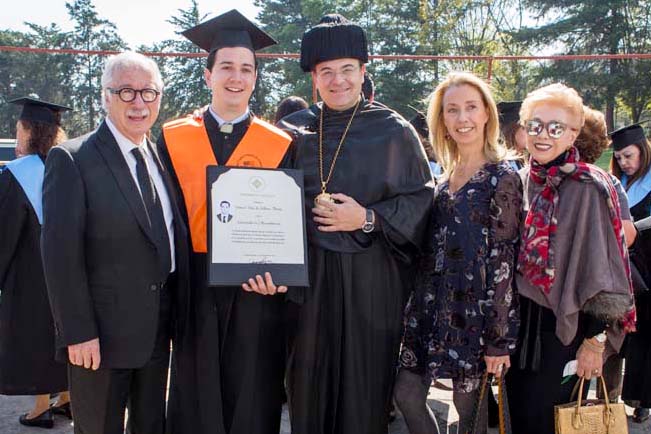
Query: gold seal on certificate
(256,224)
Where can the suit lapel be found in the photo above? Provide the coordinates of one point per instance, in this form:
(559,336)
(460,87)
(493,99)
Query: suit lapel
(110,150)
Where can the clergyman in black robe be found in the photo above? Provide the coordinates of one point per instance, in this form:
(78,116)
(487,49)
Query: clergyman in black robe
(348,323)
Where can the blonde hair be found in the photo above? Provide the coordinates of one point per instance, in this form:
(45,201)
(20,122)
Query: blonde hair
(445,148)
(554,94)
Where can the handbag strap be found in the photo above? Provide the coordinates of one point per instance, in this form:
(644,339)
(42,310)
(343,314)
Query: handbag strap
(503,406)
(502,402)
(577,414)
(480,399)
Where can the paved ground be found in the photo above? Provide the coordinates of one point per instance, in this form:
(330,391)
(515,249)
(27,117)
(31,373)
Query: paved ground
(13,406)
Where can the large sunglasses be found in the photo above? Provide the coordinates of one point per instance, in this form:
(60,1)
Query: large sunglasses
(127,94)
(555,129)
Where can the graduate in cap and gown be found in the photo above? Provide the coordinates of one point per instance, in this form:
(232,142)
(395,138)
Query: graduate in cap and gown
(27,345)
(368,193)
(228,363)
(631,163)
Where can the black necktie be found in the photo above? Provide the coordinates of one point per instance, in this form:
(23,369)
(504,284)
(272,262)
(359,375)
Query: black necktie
(154,211)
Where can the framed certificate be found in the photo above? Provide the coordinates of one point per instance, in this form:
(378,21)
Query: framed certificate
(256,223)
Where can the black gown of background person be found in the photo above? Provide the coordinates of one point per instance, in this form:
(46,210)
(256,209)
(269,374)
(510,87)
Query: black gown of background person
(349,321)
(228,369)
(27,346)
(637,347)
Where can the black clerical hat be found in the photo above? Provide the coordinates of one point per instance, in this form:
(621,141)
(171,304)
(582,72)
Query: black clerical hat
(231,29)
(628,135)
(509,111)
(39,111)
(333,38)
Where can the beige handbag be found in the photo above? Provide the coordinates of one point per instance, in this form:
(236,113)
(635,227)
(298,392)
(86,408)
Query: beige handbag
(593,416)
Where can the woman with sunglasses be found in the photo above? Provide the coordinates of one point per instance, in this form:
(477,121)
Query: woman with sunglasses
(462,318)
(572,271)
(631,163)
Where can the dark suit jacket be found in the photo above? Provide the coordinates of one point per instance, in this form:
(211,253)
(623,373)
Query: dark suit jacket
(101,264)
(220,217)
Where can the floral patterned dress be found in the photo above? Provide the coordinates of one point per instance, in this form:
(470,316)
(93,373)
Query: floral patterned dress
(463,306)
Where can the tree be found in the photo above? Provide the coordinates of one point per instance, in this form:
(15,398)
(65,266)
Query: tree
(185,88)
(392,28)
(285,21)
(41,75)
(90,33)
(608,27)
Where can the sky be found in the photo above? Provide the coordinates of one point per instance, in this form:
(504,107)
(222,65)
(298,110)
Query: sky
(138,21)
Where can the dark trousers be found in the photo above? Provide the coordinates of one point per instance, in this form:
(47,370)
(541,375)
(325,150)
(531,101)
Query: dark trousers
(533,393)
(612,373)
(99,398)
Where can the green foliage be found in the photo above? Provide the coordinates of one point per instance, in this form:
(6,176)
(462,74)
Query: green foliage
(90,33)
(185,88)
(429,27)
(605,27)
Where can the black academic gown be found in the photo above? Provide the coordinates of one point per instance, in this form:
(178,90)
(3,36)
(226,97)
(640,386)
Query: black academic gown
(228,368)
(27,346)
(349,322)
(637,348)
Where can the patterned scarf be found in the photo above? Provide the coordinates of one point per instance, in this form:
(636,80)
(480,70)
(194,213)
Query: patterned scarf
(536,258)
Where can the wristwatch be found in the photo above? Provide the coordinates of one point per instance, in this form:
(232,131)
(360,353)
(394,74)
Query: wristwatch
(601,337)
(369,224)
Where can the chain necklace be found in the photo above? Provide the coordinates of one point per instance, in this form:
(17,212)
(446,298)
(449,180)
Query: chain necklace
(324,196)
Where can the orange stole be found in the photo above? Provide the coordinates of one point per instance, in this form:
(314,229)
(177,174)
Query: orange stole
(188,145)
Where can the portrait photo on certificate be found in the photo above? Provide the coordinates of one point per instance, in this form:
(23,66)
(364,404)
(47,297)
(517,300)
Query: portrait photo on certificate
(256,224)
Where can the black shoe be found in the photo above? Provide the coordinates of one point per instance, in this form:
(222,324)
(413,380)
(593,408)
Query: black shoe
(62,410)
(43,420)
(640,415)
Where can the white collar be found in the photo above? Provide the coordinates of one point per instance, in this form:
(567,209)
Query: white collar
(125,144)
(221,121)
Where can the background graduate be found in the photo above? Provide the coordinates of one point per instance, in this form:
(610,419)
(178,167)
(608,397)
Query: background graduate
(631,163)
(27,365)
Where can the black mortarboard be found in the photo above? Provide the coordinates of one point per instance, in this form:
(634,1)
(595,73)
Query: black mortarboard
(627,135)
(333,38)
(231,29)
(509,111)
(39,111)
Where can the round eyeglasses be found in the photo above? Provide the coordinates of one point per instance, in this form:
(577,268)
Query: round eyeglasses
(555,129)
(127,94)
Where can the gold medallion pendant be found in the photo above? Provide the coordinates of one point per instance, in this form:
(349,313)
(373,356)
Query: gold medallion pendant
(324,198)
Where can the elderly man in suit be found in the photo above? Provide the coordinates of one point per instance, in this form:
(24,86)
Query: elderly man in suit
(115,260)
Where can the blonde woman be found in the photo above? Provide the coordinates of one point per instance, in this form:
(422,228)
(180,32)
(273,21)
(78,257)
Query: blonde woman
(462,318)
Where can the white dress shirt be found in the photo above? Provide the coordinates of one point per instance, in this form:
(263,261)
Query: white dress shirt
(126,146)
(221,121)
